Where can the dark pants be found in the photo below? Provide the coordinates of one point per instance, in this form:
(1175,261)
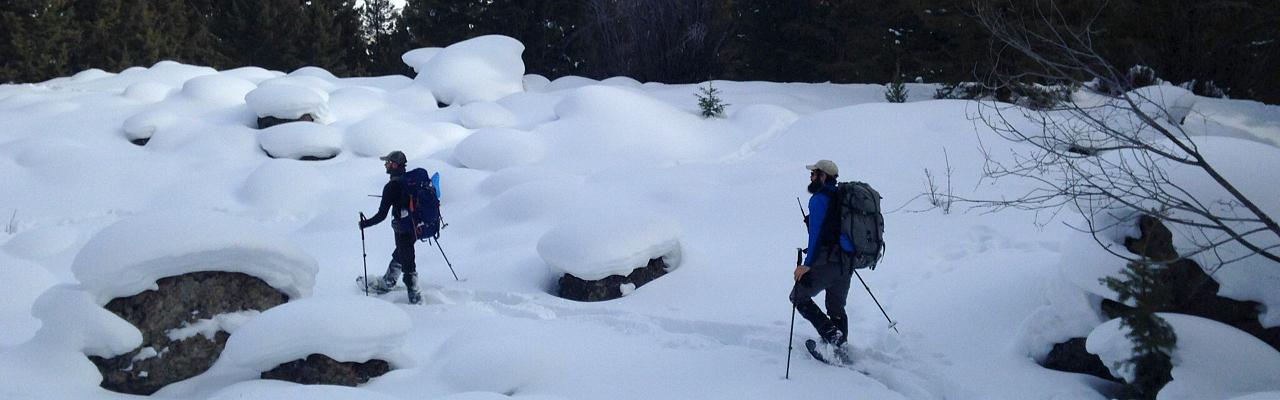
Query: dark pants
(833,279)
(403,253)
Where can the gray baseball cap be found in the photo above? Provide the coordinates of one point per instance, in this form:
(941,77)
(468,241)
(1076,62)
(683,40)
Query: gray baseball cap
(826,166)
(396,156)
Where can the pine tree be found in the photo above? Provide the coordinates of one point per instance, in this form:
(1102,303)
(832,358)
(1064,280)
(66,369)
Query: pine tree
(38,37)
(710,103)
(1154,340)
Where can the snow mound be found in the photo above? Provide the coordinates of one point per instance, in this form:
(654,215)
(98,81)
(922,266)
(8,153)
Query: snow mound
(416,96)
(149,92)
(345,328)
(267,389)
(38,243)
(569,82)
(72,319)
(1212,360)
(622,81)
(375,137)
(301,139)
(505,179)
(1176,102)
(145,124)
(602,126)
(485,115)
(129,256)
(21,282)
(287,101)
(283,185)
(314,72)
(530,200)
(535,83)
(484,68)
(493,149)
(219,89)
(418,58)
(356,102)
(256,75)
(593,246)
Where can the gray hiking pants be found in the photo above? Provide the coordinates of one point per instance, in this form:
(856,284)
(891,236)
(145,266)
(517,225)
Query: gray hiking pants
(833,279)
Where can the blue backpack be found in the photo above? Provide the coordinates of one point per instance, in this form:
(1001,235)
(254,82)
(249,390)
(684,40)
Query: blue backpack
(424,203)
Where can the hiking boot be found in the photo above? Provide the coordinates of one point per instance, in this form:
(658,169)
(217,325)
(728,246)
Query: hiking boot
(832,336)
(411,283)
(842,324)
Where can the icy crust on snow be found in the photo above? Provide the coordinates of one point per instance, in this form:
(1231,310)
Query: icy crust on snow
(1211,361)
(484,68)
(594,245)
(129,256)
(345,328)
(268,389)
(289,101)
(301,139)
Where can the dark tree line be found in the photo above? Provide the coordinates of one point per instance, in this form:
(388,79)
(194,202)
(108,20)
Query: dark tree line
(1235,43)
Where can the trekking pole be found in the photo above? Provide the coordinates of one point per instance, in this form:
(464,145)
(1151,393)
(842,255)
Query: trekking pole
(364,256)
(892,325)
(791,336)
(446,259)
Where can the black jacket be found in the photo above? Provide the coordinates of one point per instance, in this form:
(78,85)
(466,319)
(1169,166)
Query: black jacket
(395,197)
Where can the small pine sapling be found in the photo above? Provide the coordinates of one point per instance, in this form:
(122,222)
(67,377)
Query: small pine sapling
(710,103)
(896,91)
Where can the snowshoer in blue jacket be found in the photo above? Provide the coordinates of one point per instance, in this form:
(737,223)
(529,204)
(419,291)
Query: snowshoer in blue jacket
(395,198)
(822,269)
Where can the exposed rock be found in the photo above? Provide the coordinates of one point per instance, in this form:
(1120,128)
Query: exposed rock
(1194,293)
(269,121)
(179,301)
(1070,356)
(319,369)
(609,288)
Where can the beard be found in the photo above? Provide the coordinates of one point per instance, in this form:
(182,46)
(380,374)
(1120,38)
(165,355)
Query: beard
(815,186)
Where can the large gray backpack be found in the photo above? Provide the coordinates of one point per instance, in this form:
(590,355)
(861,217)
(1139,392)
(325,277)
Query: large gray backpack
(861,223)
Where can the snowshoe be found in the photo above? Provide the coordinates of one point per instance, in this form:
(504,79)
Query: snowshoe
(375,285)
(829,354)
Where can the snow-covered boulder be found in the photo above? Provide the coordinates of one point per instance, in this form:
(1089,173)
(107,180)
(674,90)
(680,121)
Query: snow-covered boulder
(280,103)
(535,83)
(341,340)
(1211,361)
(485,115)
(129,256)
(603,256)
(492,149)
(217,89)
(140,127)
(185,322)
(301,141)
(418,58)
(149,92)
(1167,102)
(484,68)
(375,137)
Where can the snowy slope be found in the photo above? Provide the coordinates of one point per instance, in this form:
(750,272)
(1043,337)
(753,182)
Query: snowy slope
(537,165)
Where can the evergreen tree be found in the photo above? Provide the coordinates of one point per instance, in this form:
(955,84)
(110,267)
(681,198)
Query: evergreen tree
(385,39)
(36,39)
(1154,340)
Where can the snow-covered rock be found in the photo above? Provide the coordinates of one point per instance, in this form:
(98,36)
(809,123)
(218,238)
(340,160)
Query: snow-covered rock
(493,149)
(142,126)
(593,246)
(345,328)
(301,140)
(535,83)
(375,137)
(289,102)
(1211,361)
(484,68)
(149,92)
(74,321)
(129,256)
(217,89)
(485,115)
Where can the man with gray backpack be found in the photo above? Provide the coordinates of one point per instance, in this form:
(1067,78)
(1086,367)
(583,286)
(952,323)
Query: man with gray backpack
(846,231)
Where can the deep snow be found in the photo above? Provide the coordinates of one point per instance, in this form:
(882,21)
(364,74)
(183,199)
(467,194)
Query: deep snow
(542,177)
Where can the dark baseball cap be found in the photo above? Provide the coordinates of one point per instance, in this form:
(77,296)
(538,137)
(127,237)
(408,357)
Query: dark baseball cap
(396,156)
